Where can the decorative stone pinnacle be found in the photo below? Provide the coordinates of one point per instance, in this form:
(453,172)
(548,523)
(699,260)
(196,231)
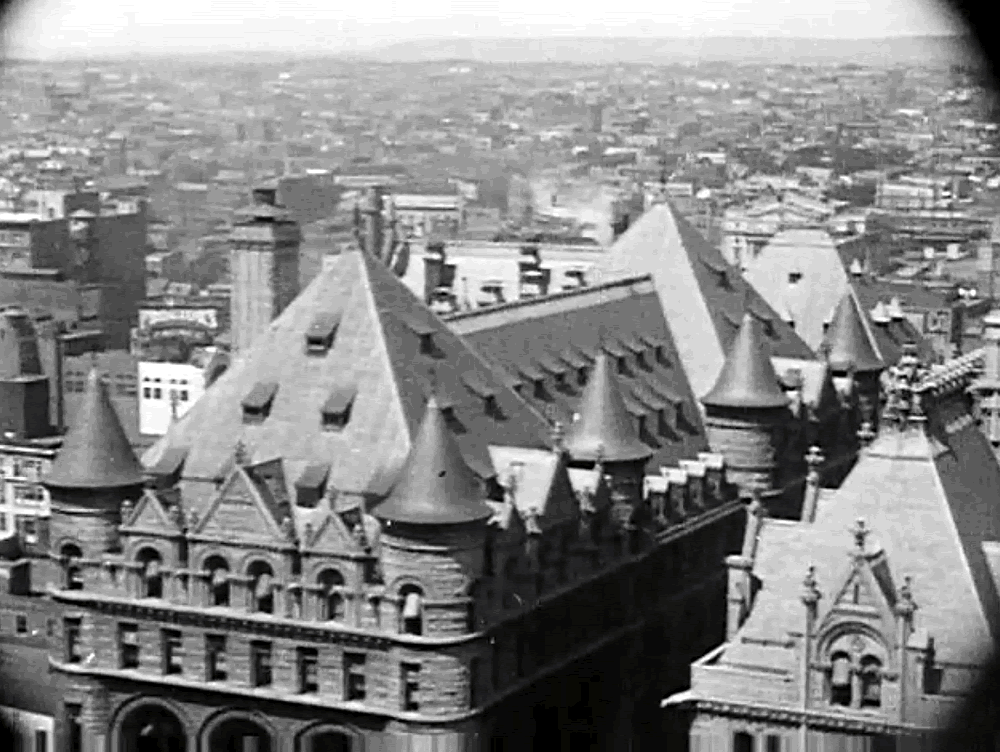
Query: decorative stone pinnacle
(906,605)
(126,511)
(240,454)
(866,433)
(755,507)
(287,527)
(860,533)
(810,592)
(814,457)
(558,434)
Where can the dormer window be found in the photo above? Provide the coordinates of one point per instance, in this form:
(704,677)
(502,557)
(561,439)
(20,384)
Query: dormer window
(311,485)
(794,278)
(557,368)
(425,334)
(320,334)
(537,380)
(336,411)
(257,404)
(484,391)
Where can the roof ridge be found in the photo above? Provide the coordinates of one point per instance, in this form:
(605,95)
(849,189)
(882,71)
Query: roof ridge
(559,295)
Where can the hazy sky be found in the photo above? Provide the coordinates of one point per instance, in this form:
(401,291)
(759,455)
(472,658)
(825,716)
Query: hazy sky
(51,27)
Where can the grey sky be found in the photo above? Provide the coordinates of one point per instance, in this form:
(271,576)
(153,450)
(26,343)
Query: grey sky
(55,27)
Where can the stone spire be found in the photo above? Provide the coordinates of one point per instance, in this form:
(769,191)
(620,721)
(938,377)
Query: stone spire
(96,453)
(848,346)
(605,427)
(747,379)
(436,486)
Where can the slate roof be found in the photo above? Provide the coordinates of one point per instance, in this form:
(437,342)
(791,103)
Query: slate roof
(702,296)
(568,327)
(377,348)
(929,498)
(96,452)
(891,336)
(811,301)
(747,379)
(436,486)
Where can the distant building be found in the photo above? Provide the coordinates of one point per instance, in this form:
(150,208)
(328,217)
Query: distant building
(428,210)
(170,384)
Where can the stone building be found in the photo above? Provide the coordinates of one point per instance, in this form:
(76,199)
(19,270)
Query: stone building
(363,538)
(896,618)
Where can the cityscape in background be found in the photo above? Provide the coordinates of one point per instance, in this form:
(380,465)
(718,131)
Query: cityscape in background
(449,405)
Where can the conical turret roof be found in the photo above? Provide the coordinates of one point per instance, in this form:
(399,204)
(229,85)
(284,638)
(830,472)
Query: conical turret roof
(747,378)
(605,426)
(96,452)
(848,345)
(436,486)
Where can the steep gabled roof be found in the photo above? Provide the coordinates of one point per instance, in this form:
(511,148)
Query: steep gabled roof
(381,348)
(96,452)
(848,343)
(436,486)
(703,297)
(567,327)
(747,379)
(605,429)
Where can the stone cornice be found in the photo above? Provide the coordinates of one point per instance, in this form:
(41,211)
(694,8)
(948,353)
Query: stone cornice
(791,716)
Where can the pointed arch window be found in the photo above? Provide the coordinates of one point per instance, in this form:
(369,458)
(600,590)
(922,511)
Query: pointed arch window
(871,682)
(331,584)
(411,610)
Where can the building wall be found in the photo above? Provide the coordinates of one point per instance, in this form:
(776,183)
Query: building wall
(32,732)
(157,384)
(23,496)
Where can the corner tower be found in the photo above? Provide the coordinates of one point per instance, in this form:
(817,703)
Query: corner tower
(94,472)
(264,265)
(747,410)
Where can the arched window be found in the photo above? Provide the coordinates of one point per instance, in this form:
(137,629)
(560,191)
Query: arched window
(328,741)
(840,679)
(72,576)
(218,580)
(411,605)
(150,574)
(871,682)
(261,587)
(331,596)
(743,742)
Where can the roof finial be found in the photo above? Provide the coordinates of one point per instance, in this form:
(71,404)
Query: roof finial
(860,533)
(905,605)
(241,455)
(810,591)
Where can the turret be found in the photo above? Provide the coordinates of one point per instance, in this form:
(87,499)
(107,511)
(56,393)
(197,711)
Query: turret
(94,472)
(853,359)
(747,410)
(434,532)
(605,434)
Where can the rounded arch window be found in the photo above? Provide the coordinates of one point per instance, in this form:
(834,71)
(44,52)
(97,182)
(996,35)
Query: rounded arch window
(152,728)
(240,735)
(71,555)
(327,740)
(218,580)
(411,606)
(261,587)
(840,679)
(331,583)
(150,573)
(871,682)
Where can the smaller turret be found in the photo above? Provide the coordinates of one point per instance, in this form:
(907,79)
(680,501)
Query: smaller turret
(747,410)
(94,472)
(853,358)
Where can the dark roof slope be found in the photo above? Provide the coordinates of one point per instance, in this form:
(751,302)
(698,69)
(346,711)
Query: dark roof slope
(96,452)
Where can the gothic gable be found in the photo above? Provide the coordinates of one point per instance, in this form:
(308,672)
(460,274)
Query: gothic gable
(333,537)
(149,515)
(240,512)
(867,595)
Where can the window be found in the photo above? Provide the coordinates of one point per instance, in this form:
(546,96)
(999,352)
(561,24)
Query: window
(261,587)
(871,682)
(411,610)
(218,580)
(260,664)
(74,727)
(3,523)
(354,676)
(152,578)
(308,665)
(411,686)
(840,679)
(743,742)
(21,624)
(794,278)
(173,651)
(772,743)
(473,682)
(184,395)
(157,393)
(215,657)
(331,596)
(50,627)
(147,393)
(495,676)
(128,646)
(71,637)
(41,740)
